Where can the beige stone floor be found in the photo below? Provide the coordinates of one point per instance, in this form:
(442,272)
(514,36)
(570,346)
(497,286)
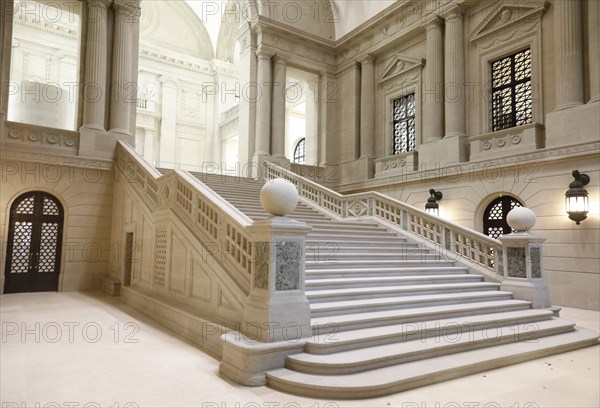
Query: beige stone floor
(93,351)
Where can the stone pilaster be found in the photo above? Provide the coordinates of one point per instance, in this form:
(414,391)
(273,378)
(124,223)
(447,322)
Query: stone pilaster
(367,108)
(94,102)
(568,53)
(594,43)
(168,124)
(279,99)
(454,60)
(123,83)
(433,89)
(263,103)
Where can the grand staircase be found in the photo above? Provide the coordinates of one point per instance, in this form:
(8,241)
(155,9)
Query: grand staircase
(389,314)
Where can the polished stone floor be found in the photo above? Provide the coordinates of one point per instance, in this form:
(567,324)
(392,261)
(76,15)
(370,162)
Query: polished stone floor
(87,349)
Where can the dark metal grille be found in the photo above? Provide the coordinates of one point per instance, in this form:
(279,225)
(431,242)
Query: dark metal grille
(50,207)
(403,114)
(494,217)
(300,152)
(21,247)
(48,246)
(511,91)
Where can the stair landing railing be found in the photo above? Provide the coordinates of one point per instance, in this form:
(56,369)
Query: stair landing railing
(221,225)
(455,241)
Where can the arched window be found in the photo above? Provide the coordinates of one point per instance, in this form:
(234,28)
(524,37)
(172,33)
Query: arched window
(494,216)
(300,152)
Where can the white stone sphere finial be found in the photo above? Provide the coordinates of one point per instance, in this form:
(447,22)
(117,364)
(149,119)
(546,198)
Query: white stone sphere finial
(279,197)
(521,219)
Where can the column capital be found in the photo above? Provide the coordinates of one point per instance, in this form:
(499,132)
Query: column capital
(280,59)
(264,54)
(454,12)
(434,22)
(168,81)
(105,4)
(126,5)
(366,60)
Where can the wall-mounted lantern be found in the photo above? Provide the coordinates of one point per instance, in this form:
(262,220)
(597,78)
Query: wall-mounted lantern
(576,198)
(432,207)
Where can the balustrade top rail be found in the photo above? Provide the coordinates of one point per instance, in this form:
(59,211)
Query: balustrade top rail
(455,239)
(221,224)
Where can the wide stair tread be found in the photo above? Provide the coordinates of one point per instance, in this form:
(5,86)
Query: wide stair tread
(358,305)
(368,358)
(409,270)
(397,378)
(350,321)
(403,290)
(346,282)
(372,336)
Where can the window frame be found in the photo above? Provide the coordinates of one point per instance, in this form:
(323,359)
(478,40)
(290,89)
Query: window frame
(301,143)
(404,119)
(512,86)
(493,49)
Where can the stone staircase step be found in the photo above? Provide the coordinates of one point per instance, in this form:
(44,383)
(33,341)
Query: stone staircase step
(417,269)
(380,304)
(346,256)
(340,283)
(369,358)
(376,264)
(331,295)
(350,243)
(393,379)
(374,336)
(352,321)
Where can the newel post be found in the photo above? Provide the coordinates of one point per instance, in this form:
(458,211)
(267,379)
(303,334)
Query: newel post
(277,305)
(522,260)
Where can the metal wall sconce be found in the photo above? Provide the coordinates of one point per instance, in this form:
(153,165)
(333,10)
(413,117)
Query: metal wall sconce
(432,207)
(576,198)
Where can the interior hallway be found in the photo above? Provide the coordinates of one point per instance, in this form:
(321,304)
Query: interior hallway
(87,348)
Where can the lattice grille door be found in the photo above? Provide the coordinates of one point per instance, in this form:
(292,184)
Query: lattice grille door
(494,217)
(34,243)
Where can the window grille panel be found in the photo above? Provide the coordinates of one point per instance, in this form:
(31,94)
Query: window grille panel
(403,113)
(512,91)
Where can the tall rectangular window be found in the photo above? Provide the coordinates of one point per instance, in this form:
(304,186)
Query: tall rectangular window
(403,114)
(511,91)
(44,72)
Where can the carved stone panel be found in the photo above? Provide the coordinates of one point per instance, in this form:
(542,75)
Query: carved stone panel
(287,265)
(261,265)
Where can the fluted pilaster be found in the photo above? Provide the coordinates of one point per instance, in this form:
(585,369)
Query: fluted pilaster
(278,119)
(94,101)
(568,53)
(367,107)
(433,89)
(594,44)
(123,84)
(263,103)
(454,60)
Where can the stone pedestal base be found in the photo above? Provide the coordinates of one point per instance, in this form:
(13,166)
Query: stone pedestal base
(534,291)
(357,170)
(449,150)
(246,361)
(98,143)
(578,124)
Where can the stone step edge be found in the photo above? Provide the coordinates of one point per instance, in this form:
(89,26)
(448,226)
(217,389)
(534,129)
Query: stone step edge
(394,379)
(373,357)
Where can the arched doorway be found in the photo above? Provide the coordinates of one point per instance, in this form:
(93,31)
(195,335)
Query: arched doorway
(494,216)
(34,243)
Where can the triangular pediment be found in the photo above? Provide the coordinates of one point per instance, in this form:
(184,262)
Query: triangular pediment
(506,15)
(398,65)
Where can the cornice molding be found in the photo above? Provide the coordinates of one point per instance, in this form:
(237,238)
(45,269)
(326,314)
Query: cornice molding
(537,157)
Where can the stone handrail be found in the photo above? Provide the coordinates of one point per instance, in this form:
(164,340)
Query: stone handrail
(221,226)
(455,241)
